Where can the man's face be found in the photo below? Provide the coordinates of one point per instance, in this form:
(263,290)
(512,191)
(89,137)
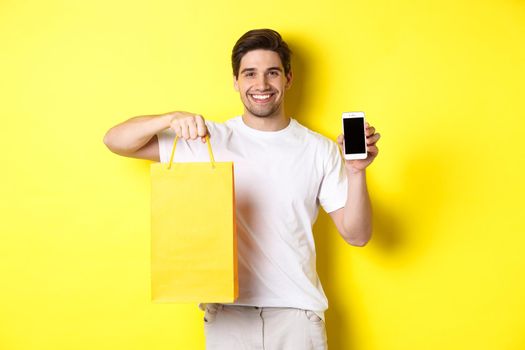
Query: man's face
(262,82)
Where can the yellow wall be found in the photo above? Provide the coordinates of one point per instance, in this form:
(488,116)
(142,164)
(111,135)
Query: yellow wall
(443,82)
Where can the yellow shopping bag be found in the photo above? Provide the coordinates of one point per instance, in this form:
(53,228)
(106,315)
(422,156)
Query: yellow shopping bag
(193,235)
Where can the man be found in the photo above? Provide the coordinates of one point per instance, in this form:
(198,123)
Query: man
(283,172)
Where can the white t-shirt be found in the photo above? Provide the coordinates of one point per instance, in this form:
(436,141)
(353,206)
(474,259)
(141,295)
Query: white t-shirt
(281,177)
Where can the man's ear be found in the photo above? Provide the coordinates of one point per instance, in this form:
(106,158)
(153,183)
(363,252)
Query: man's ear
(235,84)
(289,78)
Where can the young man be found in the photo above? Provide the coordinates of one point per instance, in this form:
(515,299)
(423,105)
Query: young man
(283,172)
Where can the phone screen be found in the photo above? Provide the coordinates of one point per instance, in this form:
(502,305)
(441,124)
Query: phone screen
(354,131)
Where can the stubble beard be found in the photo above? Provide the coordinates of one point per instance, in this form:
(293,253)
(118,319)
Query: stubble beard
(262,113)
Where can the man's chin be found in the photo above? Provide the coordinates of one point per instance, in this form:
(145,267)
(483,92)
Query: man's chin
(263,113)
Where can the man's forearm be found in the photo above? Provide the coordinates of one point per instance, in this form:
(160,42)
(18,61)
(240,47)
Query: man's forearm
(134,133)
(357,218)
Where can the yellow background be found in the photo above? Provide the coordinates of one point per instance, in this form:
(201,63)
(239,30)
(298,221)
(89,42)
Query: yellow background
(443,82)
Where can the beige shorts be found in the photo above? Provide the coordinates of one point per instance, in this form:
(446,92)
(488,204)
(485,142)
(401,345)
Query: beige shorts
(233,327)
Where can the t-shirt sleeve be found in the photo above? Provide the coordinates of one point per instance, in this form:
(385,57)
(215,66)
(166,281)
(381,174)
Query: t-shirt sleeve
(165,138)
(333,189)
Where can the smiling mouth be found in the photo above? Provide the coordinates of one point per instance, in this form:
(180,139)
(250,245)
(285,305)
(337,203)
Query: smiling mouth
(261,98)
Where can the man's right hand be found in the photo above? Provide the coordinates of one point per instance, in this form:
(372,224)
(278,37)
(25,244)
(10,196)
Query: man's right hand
(188,125)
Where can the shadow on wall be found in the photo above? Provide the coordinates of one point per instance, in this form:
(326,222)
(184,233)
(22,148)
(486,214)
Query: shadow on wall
(339,327)
(299,95)
(340,318)
(400,238)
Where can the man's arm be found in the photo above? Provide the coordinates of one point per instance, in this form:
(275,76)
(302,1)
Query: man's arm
(136,137)
(354,221)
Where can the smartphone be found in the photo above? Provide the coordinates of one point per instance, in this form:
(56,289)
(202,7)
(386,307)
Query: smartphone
(354,135)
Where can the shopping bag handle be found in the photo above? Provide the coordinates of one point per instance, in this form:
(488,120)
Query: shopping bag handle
(212,160)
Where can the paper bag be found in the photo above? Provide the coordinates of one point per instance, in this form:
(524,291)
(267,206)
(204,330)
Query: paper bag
(193,234)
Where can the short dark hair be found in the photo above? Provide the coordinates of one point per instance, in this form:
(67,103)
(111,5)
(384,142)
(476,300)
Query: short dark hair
(266,39)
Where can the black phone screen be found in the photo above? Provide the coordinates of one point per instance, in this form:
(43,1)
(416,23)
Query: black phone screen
(354,131)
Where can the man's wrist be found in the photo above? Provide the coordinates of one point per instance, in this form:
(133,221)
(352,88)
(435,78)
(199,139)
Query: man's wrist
(167,119)
(351,169)
(353,172)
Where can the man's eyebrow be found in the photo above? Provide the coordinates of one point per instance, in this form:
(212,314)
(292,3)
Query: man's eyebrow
(253,69)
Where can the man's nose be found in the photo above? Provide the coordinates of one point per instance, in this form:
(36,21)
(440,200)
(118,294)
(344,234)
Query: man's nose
(262,82)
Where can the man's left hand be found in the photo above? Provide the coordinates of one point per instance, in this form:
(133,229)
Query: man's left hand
(358,165)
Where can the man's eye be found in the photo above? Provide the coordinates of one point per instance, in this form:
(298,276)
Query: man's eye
(274,73)
(251,74)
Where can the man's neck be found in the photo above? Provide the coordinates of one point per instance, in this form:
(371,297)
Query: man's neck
(270,123)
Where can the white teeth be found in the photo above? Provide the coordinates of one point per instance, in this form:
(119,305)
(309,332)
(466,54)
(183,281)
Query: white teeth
(261,97)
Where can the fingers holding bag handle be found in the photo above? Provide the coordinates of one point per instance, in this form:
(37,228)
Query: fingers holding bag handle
(188,126)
